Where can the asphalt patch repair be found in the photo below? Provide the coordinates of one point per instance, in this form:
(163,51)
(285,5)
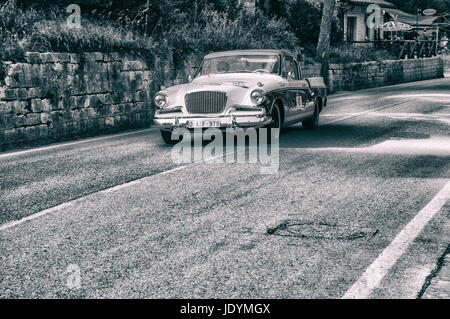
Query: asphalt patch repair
(314,230)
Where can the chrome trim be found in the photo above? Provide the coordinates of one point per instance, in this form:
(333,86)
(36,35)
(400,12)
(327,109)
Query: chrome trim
(206,102)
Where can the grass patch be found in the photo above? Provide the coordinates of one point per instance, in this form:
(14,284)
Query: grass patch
(32,30)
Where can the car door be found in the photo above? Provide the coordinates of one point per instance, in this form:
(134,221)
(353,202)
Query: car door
(298,91)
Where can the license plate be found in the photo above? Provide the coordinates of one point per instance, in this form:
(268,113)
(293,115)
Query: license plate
(203,123)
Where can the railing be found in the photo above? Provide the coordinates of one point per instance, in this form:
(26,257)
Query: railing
(406,49)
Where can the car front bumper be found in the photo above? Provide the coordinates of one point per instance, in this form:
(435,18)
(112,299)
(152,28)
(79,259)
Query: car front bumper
(226,121)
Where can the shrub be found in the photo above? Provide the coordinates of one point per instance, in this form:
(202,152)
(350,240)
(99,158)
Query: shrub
(212,30)
(31,30)
(348,53)
(180,26)
(14,29)
(56,36)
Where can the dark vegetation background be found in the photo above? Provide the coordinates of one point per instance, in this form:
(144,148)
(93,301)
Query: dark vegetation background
(442,6)
(182,27)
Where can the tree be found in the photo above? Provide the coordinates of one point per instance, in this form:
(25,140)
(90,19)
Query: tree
(323,47)
(304,18)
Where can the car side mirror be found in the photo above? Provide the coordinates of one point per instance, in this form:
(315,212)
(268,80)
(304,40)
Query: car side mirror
(194,69)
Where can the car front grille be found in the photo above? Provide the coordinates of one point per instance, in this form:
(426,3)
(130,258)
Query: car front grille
(205,102)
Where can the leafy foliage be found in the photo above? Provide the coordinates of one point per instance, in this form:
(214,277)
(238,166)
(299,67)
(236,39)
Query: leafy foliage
(32,30)
(352,54)
(179,26)
(212,30)
(182,27)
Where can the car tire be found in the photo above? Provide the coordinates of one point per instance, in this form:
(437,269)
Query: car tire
(167,137)
(274,128)
(313,122)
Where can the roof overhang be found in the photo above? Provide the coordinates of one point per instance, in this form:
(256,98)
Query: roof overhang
(410,19)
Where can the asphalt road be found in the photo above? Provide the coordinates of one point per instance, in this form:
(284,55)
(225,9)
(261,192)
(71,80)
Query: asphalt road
(211,230)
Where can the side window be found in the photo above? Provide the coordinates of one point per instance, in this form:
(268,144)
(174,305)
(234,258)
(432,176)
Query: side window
(290,66)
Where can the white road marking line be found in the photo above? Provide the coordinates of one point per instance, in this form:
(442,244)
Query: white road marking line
(367,112)
(104,191)
(45,148)
(37,215)
(373,275)
(69,203)
(138,181)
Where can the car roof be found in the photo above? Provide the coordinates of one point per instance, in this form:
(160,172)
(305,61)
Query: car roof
(245,52)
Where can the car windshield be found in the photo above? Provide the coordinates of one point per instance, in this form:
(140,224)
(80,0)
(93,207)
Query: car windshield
(240,64)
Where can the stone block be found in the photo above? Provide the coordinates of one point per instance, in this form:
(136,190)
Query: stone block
(34,92)
(36,105)
(33,119)
(5,107)
(9,94)
(20,107)
(45,118)
(74,58)
(43,131)
(33,57)
(64,58)
(93,56)
(19,120)
(133,66)
(22,94)
(11,135)
(47,105)
(109,121)
(48,57)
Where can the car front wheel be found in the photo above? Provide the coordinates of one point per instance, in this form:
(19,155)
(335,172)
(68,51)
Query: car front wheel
(274,128)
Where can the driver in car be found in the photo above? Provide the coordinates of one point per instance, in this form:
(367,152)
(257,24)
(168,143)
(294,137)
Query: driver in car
(223,67)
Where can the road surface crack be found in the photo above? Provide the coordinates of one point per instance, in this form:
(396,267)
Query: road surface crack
(314,230)
(434,273)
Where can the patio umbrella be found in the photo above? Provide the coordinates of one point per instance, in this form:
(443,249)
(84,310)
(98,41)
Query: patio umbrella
(396,26)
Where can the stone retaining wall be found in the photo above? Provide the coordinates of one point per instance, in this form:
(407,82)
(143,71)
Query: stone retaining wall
(446,60)
(54,96)
(311,70)
(355,76)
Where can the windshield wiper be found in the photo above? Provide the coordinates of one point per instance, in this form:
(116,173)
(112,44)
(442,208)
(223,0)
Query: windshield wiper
(241,71)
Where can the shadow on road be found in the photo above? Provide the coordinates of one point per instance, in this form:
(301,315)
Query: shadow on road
(333,136)
(343,135)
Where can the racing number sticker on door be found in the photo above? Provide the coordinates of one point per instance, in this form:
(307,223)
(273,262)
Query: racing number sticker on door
(299,100)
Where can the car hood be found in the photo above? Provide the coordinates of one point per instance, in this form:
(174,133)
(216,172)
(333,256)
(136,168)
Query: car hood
(238,86)
(243,80)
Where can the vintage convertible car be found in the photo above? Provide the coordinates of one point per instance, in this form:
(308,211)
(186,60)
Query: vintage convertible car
(245,88)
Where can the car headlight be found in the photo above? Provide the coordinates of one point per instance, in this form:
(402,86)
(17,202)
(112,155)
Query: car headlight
(161,100)
(258,97)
